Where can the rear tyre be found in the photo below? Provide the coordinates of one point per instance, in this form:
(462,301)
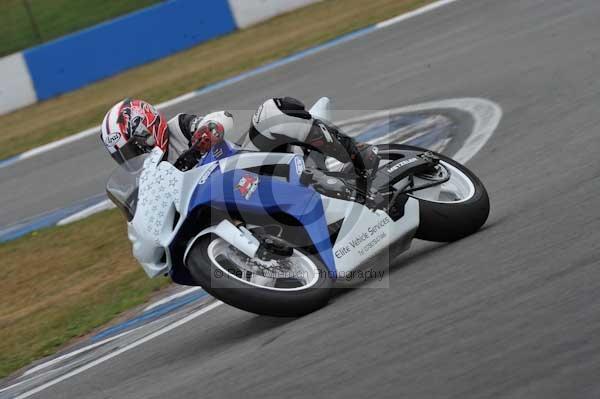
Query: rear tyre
(447,221)
(223,283)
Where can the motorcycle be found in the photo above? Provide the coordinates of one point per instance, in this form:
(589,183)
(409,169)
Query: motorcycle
(271,233)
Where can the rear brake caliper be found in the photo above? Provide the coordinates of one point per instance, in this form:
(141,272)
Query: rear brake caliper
(434,172)
(430,158)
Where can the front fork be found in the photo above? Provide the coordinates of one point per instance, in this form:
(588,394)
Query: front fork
(266,247)
(239,237)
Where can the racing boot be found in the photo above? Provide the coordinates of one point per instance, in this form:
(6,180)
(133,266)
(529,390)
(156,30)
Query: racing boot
(329,140)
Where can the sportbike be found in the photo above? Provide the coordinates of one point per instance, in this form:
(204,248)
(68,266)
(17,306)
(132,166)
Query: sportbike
(271,233)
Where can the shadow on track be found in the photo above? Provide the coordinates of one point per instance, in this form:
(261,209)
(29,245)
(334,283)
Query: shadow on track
(406,259)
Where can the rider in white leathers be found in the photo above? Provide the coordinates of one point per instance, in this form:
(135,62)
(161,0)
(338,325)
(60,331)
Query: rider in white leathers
(133,127)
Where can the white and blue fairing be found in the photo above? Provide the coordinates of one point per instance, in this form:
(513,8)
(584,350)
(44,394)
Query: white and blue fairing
(224,182)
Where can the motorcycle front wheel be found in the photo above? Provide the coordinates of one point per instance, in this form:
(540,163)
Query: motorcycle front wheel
(289,287)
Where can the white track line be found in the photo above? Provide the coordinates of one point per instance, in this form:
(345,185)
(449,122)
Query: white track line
(64,357)
(102,206)
(171,297)
(412,14)
(77,352)
(109,356)
(219,85)
(486,115)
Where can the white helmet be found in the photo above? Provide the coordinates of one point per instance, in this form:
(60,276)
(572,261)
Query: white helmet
(223,118)
(211,130)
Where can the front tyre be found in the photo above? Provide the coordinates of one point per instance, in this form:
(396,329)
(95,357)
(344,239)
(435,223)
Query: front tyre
(292,287)
(457,209)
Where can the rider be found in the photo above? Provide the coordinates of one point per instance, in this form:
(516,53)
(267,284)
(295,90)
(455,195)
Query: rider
(280,122)
(133,127)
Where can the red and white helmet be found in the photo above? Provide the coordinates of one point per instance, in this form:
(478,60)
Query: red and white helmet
(132,128)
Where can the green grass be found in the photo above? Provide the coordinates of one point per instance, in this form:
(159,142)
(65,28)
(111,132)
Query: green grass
(53,290)
(55,18)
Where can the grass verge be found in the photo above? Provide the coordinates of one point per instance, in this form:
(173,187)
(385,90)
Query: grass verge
(61,283)
(52,19)
(207,63)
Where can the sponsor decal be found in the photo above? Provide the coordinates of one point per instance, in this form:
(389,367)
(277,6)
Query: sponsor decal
(247,185)
(207,172)
(217,152)
(400,164)
(112,138)
(366,240)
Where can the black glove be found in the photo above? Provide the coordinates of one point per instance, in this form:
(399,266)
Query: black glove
(329,140)
(188,159)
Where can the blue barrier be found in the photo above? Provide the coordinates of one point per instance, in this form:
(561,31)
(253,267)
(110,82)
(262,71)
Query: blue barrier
(84,57)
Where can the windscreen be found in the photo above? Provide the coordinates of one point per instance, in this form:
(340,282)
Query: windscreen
(122,186)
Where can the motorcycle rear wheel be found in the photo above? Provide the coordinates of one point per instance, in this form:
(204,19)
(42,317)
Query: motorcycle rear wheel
(447,219)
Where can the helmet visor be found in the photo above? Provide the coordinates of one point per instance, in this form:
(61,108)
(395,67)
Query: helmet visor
(134,147)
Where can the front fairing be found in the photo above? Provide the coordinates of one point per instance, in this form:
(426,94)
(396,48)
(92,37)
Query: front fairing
(152,228)
(168,196)
(160,200)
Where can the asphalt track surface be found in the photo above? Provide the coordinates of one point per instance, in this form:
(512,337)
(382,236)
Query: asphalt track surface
(513,311)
